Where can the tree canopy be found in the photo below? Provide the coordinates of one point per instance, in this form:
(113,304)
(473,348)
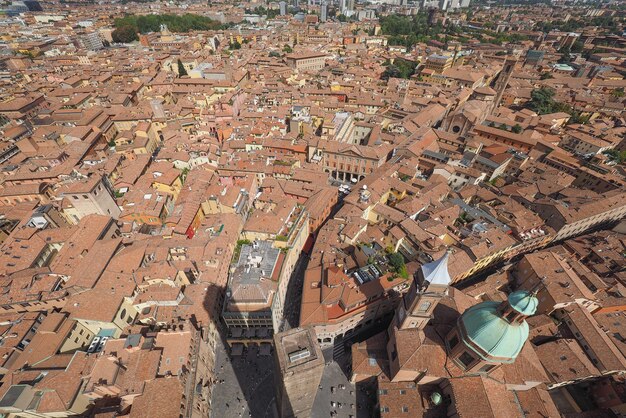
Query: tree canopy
(396,264)
(410,30)
(609,23)
(400,68)
(181,69)
(124,34)
(262,11)
(542,102)
(175,23)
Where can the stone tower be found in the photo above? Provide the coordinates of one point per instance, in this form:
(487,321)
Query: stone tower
(503,81)
(299,367)
(418,304)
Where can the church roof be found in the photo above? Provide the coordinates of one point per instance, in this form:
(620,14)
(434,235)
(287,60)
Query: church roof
(486,328)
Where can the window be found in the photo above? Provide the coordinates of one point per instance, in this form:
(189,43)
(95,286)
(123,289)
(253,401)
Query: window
(466,359)
(405,409)
(123,313)
(85,196)
(384,409)
(453,341)
(372,361)
(402,391)
(382,392)
(486,368)
(424,306)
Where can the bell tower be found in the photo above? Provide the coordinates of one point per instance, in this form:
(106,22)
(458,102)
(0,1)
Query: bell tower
(415,311)
(503,81)
(429,287)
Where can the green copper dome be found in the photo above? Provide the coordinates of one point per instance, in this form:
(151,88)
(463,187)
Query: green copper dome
(482,326)
(436,398)
(523,302)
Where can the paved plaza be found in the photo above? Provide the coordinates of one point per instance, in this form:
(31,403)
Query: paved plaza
(337,397)
(245,388)
(245,385)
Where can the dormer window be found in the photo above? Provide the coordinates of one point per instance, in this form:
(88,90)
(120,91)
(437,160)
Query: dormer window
(486,368)
(466,359)
(452,342)
(510,316)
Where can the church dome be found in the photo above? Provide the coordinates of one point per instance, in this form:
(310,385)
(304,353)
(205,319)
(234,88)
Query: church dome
(523,302)
(491,336)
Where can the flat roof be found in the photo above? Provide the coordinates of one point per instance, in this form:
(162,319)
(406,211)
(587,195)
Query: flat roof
(298,347)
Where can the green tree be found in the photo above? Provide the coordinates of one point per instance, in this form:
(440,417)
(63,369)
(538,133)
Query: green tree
(181,69)
(234,45)
(396,263)
(614,155)
(274,54)
(618,93)
(577,47)
(565,59)
(517,128)
(287,49)
(400,68)
(124,34)
(391,72)
(175,23)
(541,100)
(395,260)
